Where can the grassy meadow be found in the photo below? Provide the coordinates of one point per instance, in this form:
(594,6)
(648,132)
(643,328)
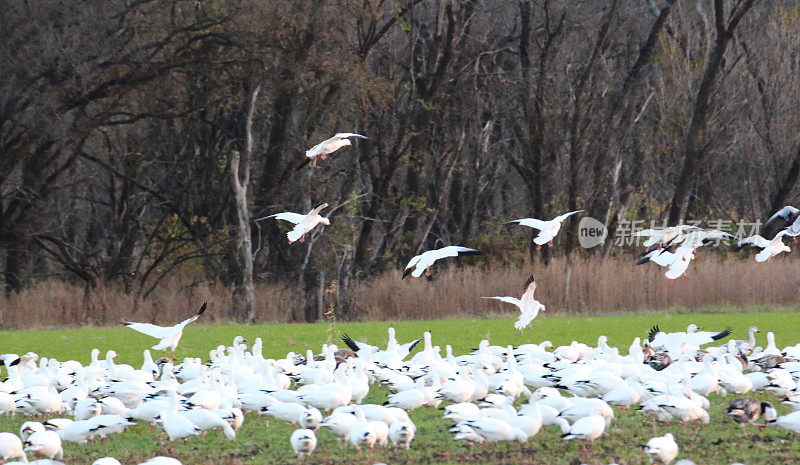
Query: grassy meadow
(263,440)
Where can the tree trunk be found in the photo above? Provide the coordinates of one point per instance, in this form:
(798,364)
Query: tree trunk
(244,246)
(694,151)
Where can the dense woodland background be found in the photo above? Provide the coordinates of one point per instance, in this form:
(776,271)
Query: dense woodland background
(139,139)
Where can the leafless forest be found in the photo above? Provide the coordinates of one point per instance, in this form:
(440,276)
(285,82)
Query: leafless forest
(140,139)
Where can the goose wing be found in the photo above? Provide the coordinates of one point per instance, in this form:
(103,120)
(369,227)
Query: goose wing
(530,222)
(787,213)
(453,251)
(200,312)
(756,240)
(286,216)
(563,217)
(506,299)
(344,135)
(155,331)
(316,210)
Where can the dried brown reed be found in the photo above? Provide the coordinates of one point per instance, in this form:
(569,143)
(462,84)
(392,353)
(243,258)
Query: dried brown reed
(579,286)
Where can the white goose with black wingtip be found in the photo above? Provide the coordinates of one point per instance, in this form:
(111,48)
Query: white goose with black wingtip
(421,263)
(170,335)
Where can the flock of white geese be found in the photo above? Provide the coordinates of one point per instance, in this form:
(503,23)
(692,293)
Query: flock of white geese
(573,388)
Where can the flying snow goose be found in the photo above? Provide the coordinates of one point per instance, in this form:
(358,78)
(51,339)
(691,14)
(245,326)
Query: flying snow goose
(395,353)
(548,229)
(303,441)
(683,257)
(303,223)
(662,449)
(11,447)
(790,216)
(422,262)
(169,335)
(746,410)
(528,306)
(770,248)
(327,147)
(660,340)
(662,236)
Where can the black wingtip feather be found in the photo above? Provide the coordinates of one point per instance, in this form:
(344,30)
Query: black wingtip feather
(413,345)
(303,164)
(721,335)
(202,309)
(643,260)
(528,282)
(472,252)
(652,334)
(406,273)
(349,342)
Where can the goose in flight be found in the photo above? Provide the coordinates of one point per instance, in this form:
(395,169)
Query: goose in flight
(327,147)
(770,248)
(662,236)
(394,352)
(169,335)
(303,223)
(422,262)
(660,340)
(548,229)
(528,306)
(791,216)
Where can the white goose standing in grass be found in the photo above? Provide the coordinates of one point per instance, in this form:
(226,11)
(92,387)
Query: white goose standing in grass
(11,447)
(402,433)
(585,428)
(106,461)
(45,444)
(176,425)
(770,248)
(303,223)
(170,335)
(162,461)
(789,422)
(548,229)
(528,306)
(303,441)
(328,146)
(422,262)
(662,449)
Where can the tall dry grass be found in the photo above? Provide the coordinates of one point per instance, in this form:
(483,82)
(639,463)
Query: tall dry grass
(595,286)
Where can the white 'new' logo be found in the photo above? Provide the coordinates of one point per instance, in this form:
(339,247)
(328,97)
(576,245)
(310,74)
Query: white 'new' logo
(591,232)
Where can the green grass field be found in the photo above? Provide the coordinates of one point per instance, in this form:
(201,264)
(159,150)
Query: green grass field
(263,440)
